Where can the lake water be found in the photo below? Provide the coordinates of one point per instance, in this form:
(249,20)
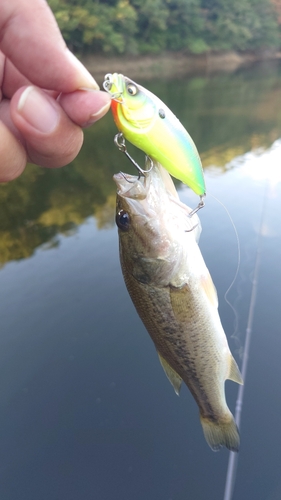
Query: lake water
(86,411)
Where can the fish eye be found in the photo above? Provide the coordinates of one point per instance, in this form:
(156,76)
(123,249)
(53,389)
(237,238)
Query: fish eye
(132,89)
(122,220)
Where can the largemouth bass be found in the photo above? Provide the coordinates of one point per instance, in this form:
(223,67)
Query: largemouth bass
(174,295)
(150,125)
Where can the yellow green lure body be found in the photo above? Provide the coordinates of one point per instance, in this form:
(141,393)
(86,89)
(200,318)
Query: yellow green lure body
(149,124)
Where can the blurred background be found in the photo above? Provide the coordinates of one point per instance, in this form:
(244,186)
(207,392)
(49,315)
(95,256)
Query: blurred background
(86,410)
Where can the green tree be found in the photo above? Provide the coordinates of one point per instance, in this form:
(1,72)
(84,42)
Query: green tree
(143,26)
(97,26)
(185,26)
(152,18)
(240,25)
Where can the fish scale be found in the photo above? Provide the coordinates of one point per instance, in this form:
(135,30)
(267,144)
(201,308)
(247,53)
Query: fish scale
(165,333)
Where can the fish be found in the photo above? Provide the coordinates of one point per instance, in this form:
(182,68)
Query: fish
(174,295)
(150,125)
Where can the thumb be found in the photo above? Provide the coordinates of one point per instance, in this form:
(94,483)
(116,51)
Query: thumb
(31,39)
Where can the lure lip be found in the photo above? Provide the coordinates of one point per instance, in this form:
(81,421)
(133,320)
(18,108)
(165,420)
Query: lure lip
(114,85)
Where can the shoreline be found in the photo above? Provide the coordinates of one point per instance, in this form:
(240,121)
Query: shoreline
(174,64)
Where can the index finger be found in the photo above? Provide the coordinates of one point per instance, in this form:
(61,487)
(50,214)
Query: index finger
(31,39)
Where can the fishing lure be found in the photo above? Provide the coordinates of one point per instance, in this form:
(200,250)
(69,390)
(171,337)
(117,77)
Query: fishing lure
(145,121)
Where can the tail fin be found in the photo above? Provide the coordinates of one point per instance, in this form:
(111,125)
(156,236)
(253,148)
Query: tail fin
(221,433)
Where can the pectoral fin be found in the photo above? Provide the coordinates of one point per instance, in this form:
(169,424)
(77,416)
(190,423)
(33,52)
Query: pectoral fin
(234,372)
(174,378)
(210,289)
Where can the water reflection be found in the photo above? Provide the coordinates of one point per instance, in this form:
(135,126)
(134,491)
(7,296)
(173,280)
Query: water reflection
(86,411)
(227,116)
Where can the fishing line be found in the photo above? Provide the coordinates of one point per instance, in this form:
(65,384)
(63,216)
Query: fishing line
(237,267)
(233,457)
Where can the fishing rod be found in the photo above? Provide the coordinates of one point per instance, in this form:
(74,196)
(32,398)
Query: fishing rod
(233,457)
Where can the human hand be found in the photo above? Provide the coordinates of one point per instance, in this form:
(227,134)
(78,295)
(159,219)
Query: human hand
(46,94)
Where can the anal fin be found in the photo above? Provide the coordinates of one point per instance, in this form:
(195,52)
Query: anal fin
(234,372)
(174,378)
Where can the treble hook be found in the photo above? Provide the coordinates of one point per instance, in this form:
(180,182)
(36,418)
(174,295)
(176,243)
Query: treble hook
(119,141)
(200,205)
(193,227)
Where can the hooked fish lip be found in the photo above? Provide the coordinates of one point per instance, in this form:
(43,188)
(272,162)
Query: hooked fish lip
(130,186)
(120,179)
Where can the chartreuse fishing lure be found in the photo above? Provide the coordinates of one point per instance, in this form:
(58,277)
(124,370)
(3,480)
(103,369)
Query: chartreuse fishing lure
(145,121)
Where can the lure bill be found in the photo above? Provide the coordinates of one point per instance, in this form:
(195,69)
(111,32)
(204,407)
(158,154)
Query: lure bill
(174,295)
(149,124)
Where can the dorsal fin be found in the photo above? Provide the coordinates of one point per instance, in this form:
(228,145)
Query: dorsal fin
(234,372)
(174,378)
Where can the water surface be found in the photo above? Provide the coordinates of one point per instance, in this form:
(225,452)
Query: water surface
(86,410)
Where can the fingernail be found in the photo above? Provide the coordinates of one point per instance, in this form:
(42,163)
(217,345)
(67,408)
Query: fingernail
(37,109)
(87,81)
(94,117)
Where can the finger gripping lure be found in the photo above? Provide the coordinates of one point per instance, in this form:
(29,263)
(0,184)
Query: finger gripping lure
(149,124)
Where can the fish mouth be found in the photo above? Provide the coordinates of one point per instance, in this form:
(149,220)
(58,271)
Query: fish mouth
(131,186)
(132,196)
(114,84)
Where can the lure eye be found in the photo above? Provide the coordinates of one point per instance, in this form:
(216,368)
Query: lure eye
(132,89)
(123,220)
